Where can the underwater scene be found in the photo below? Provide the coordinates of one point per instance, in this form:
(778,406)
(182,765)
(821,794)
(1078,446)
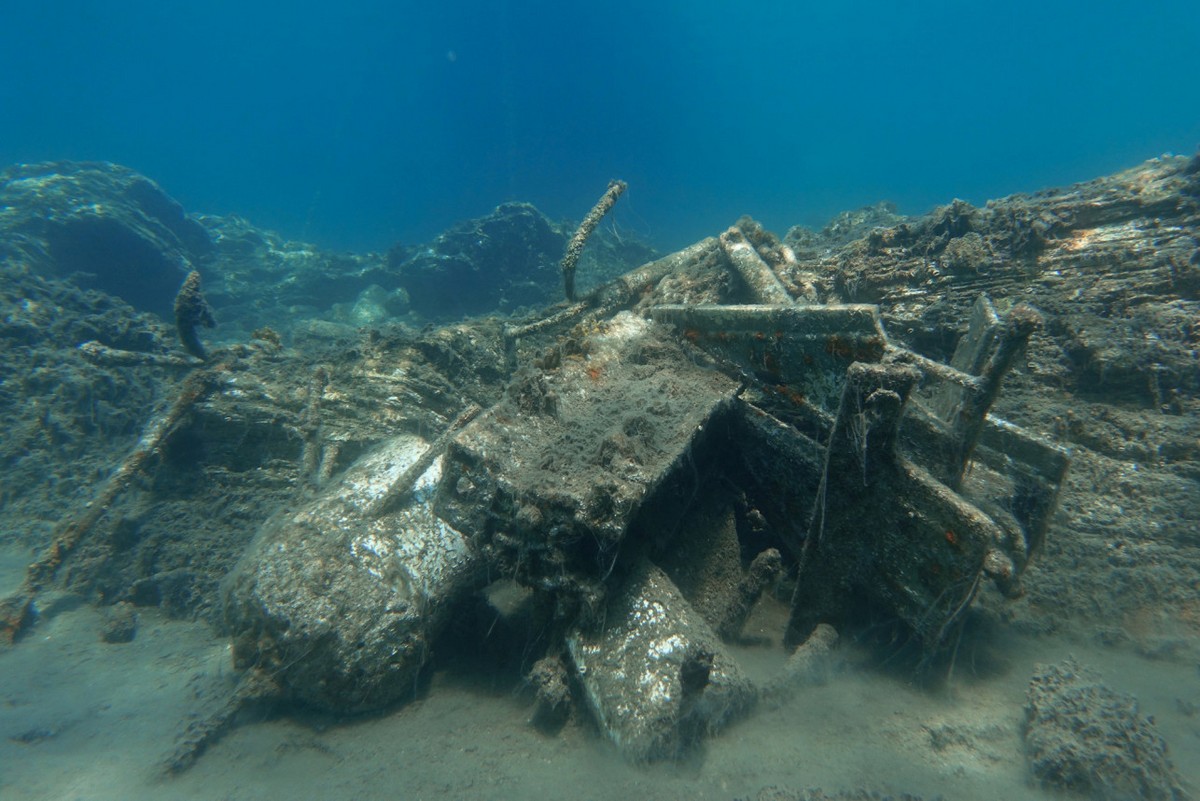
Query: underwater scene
(520,400)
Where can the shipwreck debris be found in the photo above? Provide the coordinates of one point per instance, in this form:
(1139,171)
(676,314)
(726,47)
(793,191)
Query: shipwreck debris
(575,247)
(801,424)
(811,664)
(582,472)
(398,492)
(764,570)
(764,285)
(871,468)
(17,611)
(619,412)
(884,527)
(254,687)
(191,313)
(655,674)
(339,600)
(101,354)
(547,484)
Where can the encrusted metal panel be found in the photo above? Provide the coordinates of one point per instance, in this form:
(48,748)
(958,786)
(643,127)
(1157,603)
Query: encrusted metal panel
(340,606)
(638,670)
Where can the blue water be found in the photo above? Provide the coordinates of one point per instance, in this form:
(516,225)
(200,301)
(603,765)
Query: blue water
(373,122)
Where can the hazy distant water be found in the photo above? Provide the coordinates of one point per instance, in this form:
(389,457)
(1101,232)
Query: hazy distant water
(378,121)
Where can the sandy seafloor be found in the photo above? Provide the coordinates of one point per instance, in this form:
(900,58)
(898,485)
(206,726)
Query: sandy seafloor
(82,719)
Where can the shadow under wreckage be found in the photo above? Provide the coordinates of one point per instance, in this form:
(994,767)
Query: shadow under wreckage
(876,474)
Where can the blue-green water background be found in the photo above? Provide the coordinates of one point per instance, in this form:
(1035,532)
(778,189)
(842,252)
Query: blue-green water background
(362,123)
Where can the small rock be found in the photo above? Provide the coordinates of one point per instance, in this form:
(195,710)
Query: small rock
(120,623)
(1084,737)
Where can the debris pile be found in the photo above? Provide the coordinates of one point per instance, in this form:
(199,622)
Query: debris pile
(574,481)
(643,463)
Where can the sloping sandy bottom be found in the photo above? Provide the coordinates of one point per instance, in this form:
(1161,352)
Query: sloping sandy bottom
(81,719)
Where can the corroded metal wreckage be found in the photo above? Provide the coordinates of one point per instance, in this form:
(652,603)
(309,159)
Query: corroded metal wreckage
(881,473)
(657,460)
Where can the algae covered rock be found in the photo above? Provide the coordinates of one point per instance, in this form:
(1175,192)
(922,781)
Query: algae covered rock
(1082,736)
(103,225)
